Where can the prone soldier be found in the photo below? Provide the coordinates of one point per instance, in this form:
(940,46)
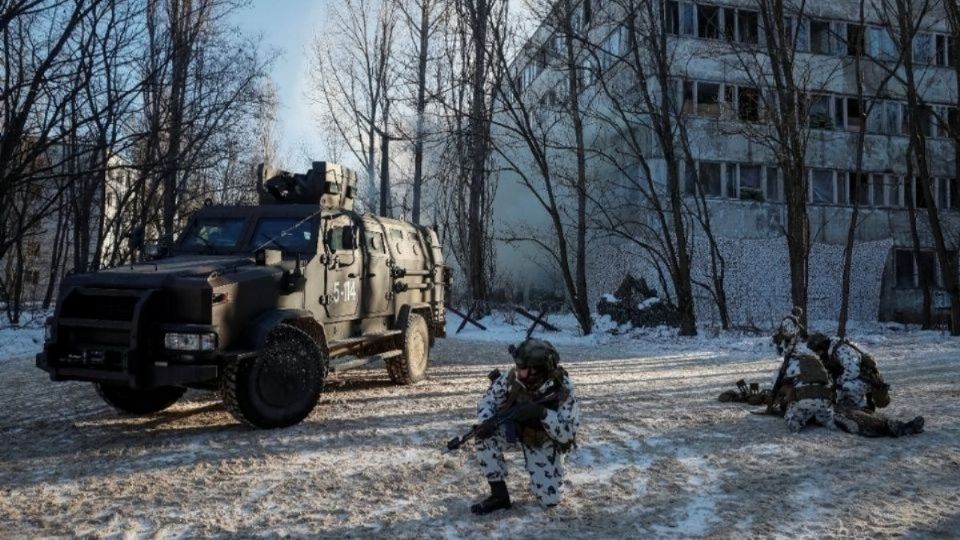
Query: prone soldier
(859,390)
(544,429)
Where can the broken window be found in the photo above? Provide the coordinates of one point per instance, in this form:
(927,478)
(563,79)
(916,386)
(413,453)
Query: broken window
(904,268)
(820,37)
(688,97)
(751,187)
(748,104)
(708,99)
(773,185)
(821,185)
(710,178)
(856,40)
(877,182)
(819,116)
(747,27)
(854,114)
(941,50)
(708,21)
(927,269)
(673,17)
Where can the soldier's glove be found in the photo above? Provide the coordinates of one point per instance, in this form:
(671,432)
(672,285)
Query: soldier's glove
(526,412)
(485,430)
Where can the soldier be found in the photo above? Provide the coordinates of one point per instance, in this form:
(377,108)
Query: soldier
(802,385)
(859,390)
(545,430)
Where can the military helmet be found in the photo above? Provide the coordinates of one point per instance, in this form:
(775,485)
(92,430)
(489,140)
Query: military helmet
(535,353)
(819,343)
(789,331)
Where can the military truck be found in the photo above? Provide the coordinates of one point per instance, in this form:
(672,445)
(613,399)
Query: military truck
(259,302)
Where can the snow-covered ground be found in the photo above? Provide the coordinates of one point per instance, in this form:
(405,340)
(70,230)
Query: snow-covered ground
(658,454)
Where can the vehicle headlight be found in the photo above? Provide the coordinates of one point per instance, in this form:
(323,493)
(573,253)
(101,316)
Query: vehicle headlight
(180,341)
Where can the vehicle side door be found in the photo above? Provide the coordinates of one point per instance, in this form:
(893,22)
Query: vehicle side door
(343,265)
(377,281)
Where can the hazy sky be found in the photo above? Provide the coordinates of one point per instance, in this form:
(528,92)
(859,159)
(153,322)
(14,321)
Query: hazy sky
(288,26)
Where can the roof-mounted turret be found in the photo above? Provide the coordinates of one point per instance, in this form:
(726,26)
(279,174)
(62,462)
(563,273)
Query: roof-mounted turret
(331,185)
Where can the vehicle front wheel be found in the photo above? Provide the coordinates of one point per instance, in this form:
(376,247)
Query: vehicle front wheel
(139,401)
(411,366)
(281,385)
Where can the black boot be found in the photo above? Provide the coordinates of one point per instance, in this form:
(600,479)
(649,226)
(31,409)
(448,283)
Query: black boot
(499,498)
(912,427)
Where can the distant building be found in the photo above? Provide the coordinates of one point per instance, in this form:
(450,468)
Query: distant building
(740,175)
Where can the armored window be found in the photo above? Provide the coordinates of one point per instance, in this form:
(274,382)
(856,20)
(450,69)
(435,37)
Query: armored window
(708,21)
(904,269)
(287,234)
(213,233)
(821,186)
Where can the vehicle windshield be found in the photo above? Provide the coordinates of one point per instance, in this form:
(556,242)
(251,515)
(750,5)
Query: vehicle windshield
(213,233)
(287,234)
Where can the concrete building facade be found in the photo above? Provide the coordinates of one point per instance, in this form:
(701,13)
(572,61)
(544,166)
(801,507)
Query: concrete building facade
(719,83)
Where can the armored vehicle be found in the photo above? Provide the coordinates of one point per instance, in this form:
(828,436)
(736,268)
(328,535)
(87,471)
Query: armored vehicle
(259,302)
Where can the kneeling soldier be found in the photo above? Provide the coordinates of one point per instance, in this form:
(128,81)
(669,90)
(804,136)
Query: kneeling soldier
(803,384)
(545,429)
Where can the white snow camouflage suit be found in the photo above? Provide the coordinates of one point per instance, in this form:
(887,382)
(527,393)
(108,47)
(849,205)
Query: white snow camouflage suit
(805,376)
(545,461)
(850,387)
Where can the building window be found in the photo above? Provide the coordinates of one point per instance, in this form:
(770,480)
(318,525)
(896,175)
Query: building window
(913,272)
(689,96)
(882,46)
(819,115)
(821,186)
(710,178)
(32,277)
(747,26)
(923,48)
(820,37)
(856,40)
(673,17)
(904,269)
(854,114)
(751,185)
(954,196)
(877,183)
(774,193)
(708,21)
(708,99)
(748,104)
(33,248)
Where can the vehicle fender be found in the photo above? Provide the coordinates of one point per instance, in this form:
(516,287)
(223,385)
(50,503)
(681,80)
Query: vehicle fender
(300,318)
(404,314)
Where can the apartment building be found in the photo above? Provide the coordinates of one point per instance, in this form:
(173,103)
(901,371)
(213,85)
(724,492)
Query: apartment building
(722,95)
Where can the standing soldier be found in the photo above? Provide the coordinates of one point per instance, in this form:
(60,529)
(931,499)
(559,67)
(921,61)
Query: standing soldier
(545,429)
(803,384)
(860,390)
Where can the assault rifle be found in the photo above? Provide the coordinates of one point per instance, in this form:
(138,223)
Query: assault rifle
(775,391)
(556,394)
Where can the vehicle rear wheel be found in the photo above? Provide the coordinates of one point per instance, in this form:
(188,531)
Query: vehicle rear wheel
(281,385)
(139,401)
(411,365)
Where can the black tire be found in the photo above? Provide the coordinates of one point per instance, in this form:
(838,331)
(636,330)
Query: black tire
(411,366)
(281,385)
(130,401)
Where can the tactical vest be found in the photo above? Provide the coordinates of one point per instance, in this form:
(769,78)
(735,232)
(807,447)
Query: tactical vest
(533,433)
(815,378)
(879,393)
